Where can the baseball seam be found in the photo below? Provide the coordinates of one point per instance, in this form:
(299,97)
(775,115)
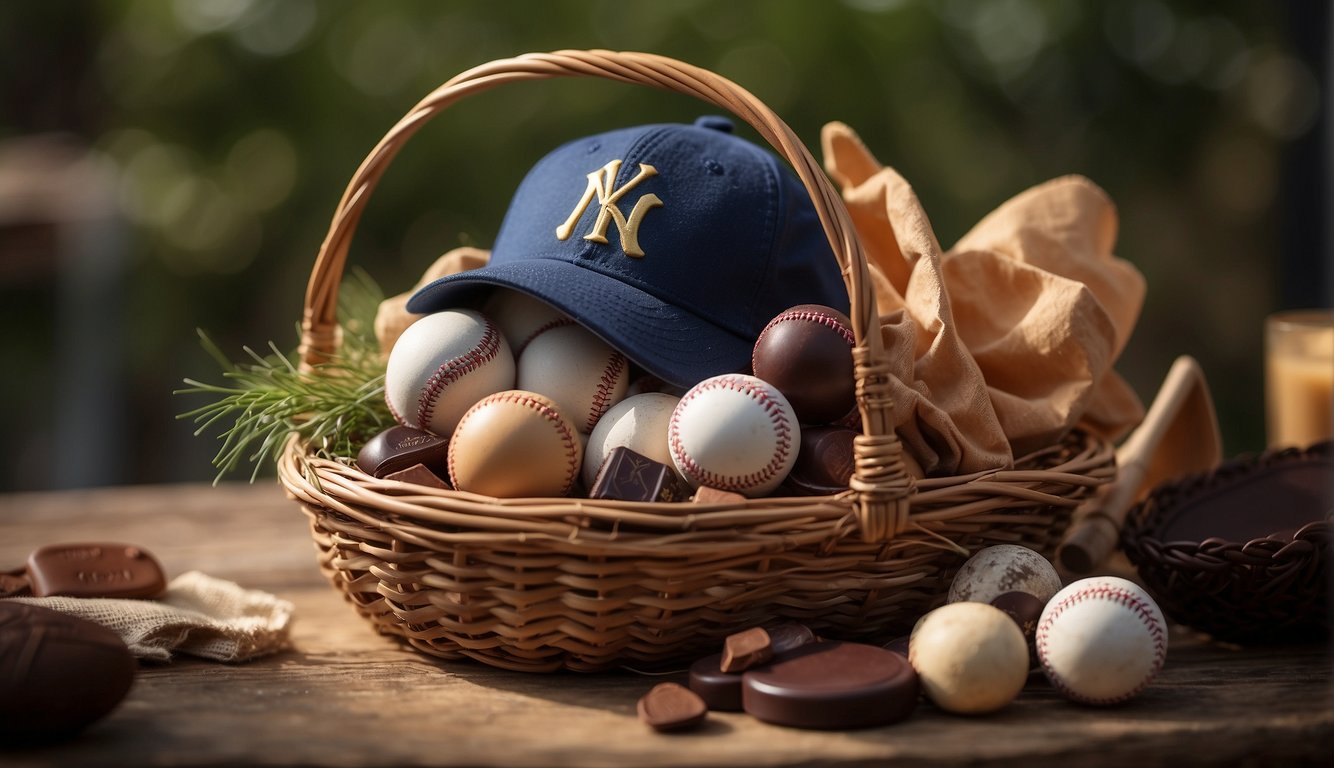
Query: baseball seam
(603,395)
(454,369)
(817,317)
(772,408)
(558,322)
(1126,599)
(568,440)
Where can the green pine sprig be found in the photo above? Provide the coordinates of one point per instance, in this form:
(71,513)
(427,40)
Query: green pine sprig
(334,408)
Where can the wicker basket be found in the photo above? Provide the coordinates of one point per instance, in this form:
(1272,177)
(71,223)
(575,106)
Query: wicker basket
(542,584)
(1251,569)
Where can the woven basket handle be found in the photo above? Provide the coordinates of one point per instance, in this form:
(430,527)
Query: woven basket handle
(879,480)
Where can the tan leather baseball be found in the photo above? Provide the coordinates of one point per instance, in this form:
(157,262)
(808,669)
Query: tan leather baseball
(514,444)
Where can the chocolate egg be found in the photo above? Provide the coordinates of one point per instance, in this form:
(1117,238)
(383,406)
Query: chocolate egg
(806,353)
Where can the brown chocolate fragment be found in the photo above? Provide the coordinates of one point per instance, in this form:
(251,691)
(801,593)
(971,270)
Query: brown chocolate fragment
(58,673)
(95,570)
(824,461)
(418,474)
(706,494)
(672,707)
(832,686)
(720,690)
(1026,610)
(789,637)
(744,650)
(630,476)
(399,447)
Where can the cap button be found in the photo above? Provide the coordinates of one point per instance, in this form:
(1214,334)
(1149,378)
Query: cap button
(715,122)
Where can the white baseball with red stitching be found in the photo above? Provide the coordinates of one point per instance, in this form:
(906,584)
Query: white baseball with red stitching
(441,365)
(734,432)
(1101,640)
(581,372)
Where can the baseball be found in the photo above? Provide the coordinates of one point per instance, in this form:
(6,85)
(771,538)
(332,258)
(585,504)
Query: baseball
(806,352)
(570,365)
(1101,640)
(441,365)
(638,423)
(995,570)
(521,317)
(736,433)
(971,658)
(512,444)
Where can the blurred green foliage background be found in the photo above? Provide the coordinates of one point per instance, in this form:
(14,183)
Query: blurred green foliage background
(224,131)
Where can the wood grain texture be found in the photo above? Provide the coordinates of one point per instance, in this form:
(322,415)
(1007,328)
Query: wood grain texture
(345,696)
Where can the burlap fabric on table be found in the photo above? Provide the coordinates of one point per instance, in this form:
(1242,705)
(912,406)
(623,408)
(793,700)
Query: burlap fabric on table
(1006,341)
(198,615)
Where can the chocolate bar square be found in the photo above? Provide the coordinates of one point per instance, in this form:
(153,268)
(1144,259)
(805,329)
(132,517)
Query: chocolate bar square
(630,476)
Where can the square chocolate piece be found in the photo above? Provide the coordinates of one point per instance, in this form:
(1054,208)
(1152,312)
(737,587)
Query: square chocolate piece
(399,448)
(630,476)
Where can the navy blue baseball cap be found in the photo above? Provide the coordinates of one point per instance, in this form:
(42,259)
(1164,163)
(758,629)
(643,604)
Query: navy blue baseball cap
(674,243)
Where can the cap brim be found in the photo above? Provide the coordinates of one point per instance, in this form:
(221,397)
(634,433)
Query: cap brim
(670,343)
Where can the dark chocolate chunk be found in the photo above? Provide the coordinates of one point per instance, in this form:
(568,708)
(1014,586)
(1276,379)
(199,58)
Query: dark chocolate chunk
(1026,610)
(95,570)
(832,686)
(58,673)
(824,461)
(720,690)
(418,474)
(630,476)
(399,447)
(672,707)
(789,637)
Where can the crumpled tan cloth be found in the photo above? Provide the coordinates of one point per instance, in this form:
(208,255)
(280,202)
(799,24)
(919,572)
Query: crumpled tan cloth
(1005,342)
(198,615)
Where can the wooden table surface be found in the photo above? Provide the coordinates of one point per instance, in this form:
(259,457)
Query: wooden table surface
(345,696)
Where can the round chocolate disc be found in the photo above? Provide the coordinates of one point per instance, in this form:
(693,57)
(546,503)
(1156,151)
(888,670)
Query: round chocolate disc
(720,690)
(832,686)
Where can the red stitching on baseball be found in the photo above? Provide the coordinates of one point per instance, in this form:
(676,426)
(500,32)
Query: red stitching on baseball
(772,408)
(1125,598)
(822,318)
(606,386)
(570,443)
(548,325)
(456,368)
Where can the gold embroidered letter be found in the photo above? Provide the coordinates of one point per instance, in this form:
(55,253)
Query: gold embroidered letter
(600,183)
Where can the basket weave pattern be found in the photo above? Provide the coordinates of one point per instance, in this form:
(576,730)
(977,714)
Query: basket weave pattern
(1267,589)
(545,584)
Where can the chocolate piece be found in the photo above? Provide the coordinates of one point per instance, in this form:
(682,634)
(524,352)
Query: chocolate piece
(418,474)
(744,650)
(1026,610)
(58,673)
(824,461)
(832,686)
(789,637)
(95,570)
(720,690)
(630,476)
(399,447)
(806,353)
(672,707)
(706,494)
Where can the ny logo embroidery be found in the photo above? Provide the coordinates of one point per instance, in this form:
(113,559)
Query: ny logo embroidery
(600,183)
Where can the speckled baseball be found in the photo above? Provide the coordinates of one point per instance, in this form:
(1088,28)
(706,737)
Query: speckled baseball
(581,372)
(1101,640)
(521,317)
(806,352)
(441,365)
(638,423)
(1002,568)
(515,444)
(971,658)
(736,433)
